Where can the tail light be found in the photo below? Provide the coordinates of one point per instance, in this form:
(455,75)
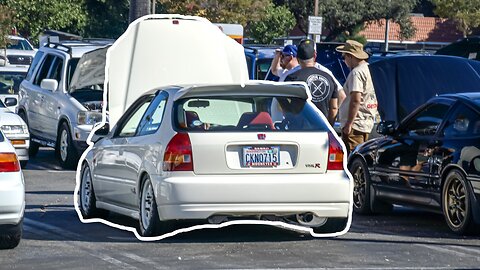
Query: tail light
(9,162)
(335,154)
(178,154)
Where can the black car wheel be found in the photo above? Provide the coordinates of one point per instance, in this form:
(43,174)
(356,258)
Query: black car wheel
(361,187)
(87,199)
(456,203)
(364,201)
(66,152)
(10,238)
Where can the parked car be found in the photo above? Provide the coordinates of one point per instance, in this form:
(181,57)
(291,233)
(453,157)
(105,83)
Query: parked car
(219,152)
(259,59)
(10,79)
(59,105)
(19,51)
(12,196)
(430,160)
(16,131)
(468,47)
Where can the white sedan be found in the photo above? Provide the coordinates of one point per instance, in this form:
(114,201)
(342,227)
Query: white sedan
(16,130)
(12,196)
(218,153)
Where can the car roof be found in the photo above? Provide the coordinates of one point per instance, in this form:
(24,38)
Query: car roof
(262,51)
(16,37)
(75,48)
(252,88)
(471,97)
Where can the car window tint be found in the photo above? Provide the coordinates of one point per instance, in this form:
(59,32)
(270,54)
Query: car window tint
(464,122)
(427,121)
(44,69)
(56,69)
(153,117)
(130,127)
(247,114)
(36,60)
(72,65)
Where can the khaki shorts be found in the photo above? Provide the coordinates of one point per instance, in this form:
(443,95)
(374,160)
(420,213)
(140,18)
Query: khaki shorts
(353,139)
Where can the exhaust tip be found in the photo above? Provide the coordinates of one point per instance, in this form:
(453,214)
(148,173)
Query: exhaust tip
(310,219)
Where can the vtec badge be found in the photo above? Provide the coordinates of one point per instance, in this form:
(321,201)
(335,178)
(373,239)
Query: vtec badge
(261,136)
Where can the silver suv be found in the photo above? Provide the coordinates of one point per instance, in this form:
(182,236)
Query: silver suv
(57,113)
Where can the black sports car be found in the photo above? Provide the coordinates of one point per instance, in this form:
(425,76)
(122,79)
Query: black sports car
(430,160)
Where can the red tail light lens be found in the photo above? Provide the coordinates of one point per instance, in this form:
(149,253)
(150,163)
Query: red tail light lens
(335,154)
(9,162)
(178,154)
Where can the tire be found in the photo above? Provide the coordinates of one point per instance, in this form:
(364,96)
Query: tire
(23,163)
(66,152)
(457,204)
(332,225)
(33,148)
(11,238)
(150,224)
(364,201)
(87,199)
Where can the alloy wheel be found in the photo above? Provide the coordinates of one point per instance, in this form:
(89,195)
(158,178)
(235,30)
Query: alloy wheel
(147,204)
(86,191)
(456,202)
(64,145)
(359,187)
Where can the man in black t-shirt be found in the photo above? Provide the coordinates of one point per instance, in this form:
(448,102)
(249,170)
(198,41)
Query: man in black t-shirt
(322,86)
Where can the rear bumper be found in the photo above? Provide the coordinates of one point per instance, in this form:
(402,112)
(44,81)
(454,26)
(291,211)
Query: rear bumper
(12,198)
(199,197)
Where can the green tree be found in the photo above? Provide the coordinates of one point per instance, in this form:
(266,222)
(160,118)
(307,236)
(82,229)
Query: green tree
(106,18)
(218,11)
(465,12)
(276,22)
(6,24)
(33,16)
(348,16)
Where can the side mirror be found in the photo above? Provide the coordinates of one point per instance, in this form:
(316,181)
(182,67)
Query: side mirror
(49,84)
(386,127)
(9,102)
(103,131)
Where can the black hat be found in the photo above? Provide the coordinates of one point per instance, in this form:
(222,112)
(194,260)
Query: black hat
(306,49)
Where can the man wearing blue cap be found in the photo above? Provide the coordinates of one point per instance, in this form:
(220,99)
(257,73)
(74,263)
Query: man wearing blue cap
(284,62)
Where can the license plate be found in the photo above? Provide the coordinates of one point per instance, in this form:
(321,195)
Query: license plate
(268,156)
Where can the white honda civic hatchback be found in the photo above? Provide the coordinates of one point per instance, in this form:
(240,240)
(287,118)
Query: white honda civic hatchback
(217,153)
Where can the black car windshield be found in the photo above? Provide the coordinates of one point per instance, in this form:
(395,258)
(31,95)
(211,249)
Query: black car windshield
(244,114)
(10,82)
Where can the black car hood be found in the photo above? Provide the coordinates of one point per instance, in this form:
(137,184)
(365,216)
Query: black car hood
(403,83)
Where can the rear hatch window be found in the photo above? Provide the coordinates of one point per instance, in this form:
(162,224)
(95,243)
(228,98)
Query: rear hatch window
(247,114)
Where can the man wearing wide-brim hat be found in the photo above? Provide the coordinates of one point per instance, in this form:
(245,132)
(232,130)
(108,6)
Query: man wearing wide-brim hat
(358,110)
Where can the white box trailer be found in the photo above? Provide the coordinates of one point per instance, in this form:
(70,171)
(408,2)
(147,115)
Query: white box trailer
(159,50)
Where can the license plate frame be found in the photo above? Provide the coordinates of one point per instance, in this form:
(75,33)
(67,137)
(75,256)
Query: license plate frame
(260,156)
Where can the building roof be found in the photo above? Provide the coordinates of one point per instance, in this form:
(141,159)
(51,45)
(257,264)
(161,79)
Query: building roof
(429,29)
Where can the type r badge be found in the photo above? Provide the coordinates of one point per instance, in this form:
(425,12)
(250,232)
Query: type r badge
(261,136)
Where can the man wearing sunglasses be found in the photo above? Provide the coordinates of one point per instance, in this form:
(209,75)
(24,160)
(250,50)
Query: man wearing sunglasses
(284,62)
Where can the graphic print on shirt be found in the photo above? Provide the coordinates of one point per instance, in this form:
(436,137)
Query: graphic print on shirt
(319,87)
